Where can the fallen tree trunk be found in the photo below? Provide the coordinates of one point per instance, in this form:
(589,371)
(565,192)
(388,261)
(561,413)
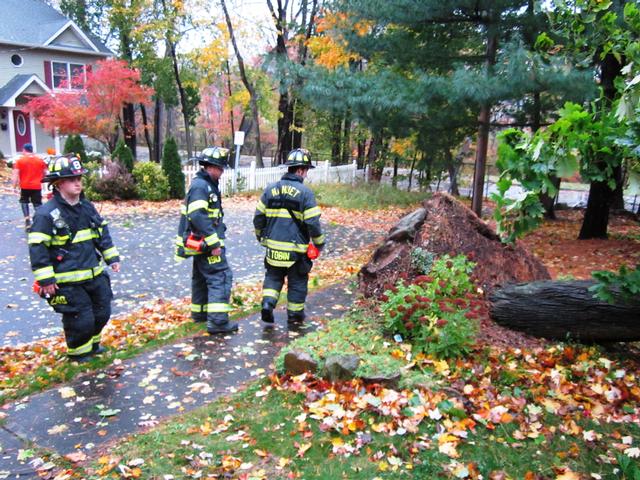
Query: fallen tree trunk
(565,310)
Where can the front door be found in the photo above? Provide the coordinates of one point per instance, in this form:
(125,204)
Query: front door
(22,128)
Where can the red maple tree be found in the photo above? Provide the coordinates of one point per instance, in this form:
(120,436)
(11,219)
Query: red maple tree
(96,109)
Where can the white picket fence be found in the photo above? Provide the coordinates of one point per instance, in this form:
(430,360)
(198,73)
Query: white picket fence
(252,178)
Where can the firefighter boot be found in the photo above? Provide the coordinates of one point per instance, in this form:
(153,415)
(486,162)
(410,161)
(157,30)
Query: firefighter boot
(267,312)
(215,328)
(295,317)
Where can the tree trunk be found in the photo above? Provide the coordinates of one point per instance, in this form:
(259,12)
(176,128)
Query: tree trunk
(453,173)
(336,138)
(346,139)
(548,201)
(245,80)
(483,133)
(394,179)
(375,147)
(147,137)
(565,310)
(362,148)
(157,129)
(183,97)
(413,165)
(596,216)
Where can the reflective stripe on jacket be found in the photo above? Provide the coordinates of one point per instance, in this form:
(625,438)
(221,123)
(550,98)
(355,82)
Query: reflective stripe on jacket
(64,241)
(274,226)
(201,214)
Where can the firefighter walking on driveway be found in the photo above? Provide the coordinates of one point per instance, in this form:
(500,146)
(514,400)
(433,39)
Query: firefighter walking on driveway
(201,235)
(287,223)
(67,241)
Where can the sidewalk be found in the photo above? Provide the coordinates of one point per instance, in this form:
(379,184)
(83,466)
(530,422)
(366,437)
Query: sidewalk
(103,406)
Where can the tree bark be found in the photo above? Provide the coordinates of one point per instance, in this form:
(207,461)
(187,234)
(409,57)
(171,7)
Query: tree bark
(157,129)
(183,96)
(565,310)
(452,168)
(483,131)
(596,216)
(346,139)
(147,137)
(250,88)
(336,138)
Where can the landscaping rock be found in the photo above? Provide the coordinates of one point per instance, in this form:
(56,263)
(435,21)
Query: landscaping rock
(450,227)
(297,362)
(340,367)
(390,380)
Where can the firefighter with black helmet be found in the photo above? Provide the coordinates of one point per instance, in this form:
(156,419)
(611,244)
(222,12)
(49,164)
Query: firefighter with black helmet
(287,223)
(201,235)
(67,242)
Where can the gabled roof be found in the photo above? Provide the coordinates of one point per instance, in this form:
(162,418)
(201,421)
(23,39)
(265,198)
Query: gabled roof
(34,23)
(18,84)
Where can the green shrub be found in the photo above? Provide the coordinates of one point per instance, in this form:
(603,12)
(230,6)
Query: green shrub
(74,144)
(116,184)
(151,182)
(123,154)
(172,168)
(435,312)
(90,179)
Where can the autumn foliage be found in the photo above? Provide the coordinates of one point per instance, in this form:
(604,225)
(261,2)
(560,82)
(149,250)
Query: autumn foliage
(95,110)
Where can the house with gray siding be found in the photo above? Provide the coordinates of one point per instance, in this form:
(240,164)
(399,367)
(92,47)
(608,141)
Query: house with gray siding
(40,50)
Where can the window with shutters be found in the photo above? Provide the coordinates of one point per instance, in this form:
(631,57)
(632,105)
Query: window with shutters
(68,75)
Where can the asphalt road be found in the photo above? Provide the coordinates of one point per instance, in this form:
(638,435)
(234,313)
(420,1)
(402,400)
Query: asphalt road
(148,268)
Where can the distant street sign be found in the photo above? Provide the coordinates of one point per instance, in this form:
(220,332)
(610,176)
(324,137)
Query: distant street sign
(238,138)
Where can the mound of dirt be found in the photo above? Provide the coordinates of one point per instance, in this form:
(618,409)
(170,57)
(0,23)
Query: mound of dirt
(444,225)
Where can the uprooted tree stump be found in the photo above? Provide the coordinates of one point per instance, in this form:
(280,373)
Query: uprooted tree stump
(444,225)
(560,310)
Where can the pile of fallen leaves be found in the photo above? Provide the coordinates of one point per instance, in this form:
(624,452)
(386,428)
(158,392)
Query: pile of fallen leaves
(569,384)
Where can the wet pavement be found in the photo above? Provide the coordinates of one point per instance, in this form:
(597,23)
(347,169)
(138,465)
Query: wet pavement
(138,393)
(148,268)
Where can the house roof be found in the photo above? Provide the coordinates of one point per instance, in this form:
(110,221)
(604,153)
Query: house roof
(16,86)
(34,23)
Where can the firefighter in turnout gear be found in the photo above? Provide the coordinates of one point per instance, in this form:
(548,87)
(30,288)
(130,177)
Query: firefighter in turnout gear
(286,220)
(67,241)
(201,235)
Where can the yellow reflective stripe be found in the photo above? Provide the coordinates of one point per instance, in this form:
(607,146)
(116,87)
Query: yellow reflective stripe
(213,212)
(260,207)
(84,235)
(281,213)
(286,246)
(196,308)
(311,212)
(183,209)
(95,338)
(45,272)
(270,292)
(78,275)
(280,263)
(211,239)
(216,307)
(295,307)
(179,241)
(38,237)
(197,205)
(110,253)
(58,240)
(82,349)
(318,240)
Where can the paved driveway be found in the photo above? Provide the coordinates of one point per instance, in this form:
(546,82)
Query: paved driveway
(148,268)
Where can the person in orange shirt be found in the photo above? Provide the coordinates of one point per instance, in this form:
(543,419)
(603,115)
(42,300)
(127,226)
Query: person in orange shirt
(28,172)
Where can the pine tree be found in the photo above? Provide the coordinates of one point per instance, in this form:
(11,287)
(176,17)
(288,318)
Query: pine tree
(124,154)
(172,168)
(74,144)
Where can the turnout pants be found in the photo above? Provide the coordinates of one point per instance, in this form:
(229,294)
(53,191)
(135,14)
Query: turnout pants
(85,309)
(297,276)
(211,289)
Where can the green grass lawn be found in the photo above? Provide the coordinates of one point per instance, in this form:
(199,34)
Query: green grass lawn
(365,196)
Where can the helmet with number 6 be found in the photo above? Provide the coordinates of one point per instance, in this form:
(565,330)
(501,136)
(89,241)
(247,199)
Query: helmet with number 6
(64,167)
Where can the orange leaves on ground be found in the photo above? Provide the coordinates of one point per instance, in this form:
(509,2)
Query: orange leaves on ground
(556,244)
